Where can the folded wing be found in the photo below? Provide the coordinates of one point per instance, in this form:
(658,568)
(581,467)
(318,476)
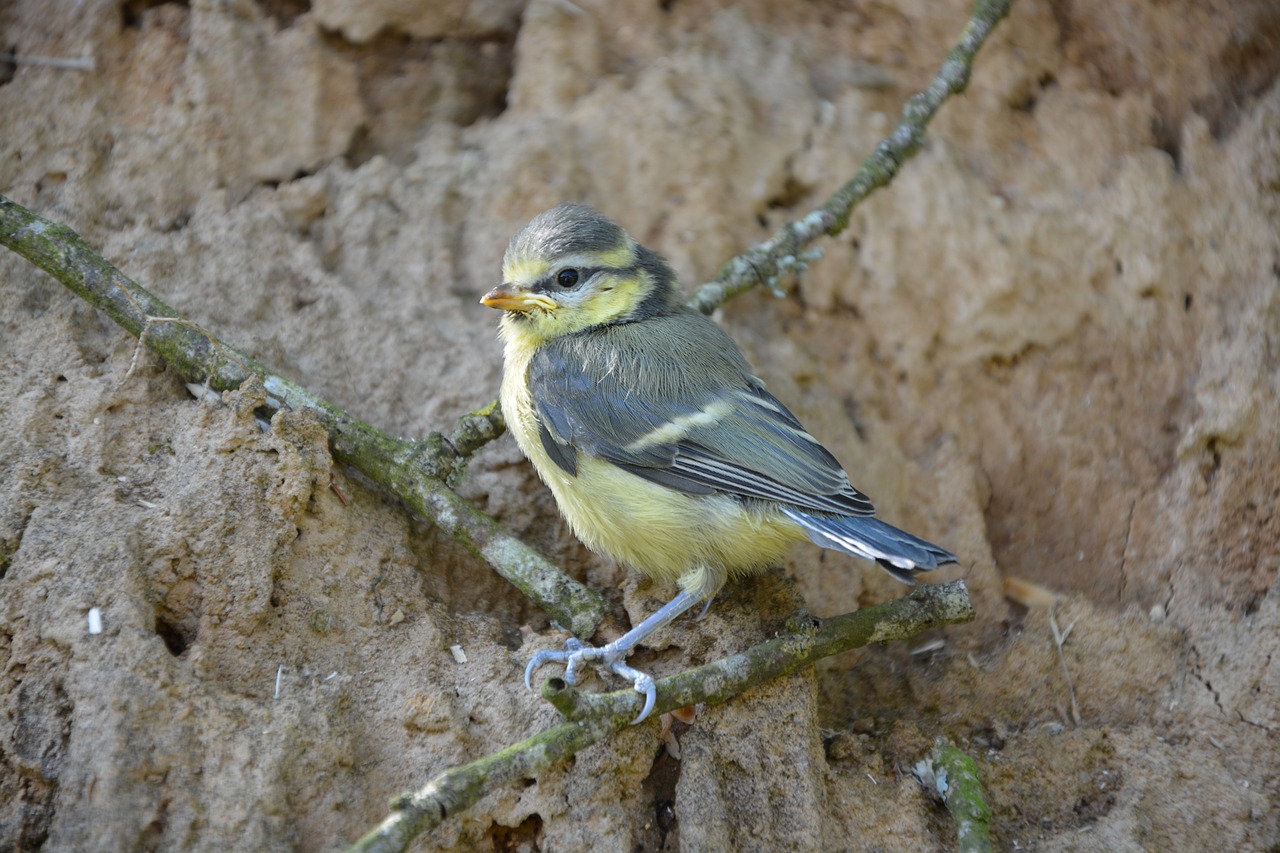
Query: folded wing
(684,411)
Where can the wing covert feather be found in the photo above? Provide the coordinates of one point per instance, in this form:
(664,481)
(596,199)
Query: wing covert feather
(684,411)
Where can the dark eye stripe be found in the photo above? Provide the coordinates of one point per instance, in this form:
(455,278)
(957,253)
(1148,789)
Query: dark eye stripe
(552,283)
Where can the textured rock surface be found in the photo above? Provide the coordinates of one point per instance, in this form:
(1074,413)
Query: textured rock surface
(1053,345)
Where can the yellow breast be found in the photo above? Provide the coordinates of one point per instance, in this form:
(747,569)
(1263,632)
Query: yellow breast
(698,541)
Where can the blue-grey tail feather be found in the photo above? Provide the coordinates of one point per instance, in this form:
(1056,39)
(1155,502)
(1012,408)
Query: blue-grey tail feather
(898,552)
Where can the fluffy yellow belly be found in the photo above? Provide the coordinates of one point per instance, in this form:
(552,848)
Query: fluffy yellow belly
(698,541)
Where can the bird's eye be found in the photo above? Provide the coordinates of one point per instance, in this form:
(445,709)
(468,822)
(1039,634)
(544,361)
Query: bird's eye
(567,278)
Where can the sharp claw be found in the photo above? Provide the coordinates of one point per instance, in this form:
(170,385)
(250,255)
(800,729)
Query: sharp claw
(644,684)
(547,656)
(641,682)
(538,660)
(576,653)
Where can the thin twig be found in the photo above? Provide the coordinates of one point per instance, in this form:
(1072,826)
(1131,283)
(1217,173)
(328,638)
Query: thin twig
(77,63)
(1034,595)
(417,472)
(1060,640)
(593,717)
(784,253)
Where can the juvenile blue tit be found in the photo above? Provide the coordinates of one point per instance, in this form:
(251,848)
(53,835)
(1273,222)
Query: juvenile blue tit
(664,451)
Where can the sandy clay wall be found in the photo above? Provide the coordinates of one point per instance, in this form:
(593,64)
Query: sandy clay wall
(1052,345)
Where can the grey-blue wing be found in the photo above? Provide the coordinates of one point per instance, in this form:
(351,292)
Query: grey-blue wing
(678,405)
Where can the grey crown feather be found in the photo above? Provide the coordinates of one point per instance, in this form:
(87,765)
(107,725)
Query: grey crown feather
(566,229)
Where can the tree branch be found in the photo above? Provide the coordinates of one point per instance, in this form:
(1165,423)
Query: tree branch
(417,472)
(784,253)
(592,717)
(952,776)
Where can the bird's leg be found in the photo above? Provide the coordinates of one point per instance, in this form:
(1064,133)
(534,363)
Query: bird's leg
(614,655)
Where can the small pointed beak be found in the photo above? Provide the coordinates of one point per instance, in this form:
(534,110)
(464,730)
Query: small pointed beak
(520,301)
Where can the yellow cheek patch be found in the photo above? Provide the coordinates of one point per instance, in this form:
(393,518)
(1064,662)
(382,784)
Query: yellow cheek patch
(602,308)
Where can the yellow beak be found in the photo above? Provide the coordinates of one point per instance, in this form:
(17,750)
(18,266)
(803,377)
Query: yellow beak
(521,301)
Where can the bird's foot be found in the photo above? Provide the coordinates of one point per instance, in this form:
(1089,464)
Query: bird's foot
(612,657)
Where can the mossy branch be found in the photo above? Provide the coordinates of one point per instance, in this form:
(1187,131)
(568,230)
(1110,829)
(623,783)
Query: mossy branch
(417,472)
(592,717)
(952,776)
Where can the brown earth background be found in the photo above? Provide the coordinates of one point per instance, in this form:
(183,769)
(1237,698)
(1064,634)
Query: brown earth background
(1052,345)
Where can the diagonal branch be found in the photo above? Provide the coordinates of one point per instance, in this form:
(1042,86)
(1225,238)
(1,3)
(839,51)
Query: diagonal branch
(784,253)
(417,472)
(592,717)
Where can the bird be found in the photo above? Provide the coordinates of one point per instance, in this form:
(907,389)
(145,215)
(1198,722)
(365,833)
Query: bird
(664,451)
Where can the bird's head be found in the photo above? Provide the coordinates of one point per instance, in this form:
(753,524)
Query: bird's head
(572,269)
